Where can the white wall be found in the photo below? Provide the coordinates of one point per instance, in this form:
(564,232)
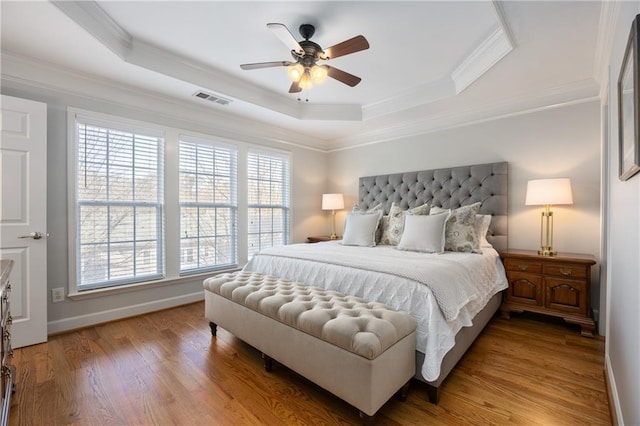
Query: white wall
(622,353)
(558,142)
(308,177)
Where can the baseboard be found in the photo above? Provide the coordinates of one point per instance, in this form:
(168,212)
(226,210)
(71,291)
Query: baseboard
(612,393)
(94,318)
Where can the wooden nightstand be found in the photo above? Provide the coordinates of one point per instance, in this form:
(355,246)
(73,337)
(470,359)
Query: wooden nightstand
(321,238)
(558,286)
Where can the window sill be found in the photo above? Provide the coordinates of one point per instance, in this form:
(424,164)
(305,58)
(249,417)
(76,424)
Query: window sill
(101,292)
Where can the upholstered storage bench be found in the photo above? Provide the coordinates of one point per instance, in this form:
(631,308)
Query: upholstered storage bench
(362,352)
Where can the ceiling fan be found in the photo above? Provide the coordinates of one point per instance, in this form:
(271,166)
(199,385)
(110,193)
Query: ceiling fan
(305,70)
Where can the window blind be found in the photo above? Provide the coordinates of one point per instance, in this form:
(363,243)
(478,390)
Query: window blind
(208,206)
(268,200)
(119,202)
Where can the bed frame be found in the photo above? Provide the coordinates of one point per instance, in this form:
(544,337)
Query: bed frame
(448,188)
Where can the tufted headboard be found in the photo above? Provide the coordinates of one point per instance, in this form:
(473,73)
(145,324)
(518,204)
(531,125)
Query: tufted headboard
(447,188)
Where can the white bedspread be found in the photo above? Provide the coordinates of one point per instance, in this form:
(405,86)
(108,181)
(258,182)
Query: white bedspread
(400,279)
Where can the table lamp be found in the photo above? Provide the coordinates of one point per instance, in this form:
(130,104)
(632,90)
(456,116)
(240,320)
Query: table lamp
(333,202)
(546,192)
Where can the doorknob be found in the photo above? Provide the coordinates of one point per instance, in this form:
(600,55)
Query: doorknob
(34,235)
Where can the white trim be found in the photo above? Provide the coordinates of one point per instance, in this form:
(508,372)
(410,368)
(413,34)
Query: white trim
(580,92)
(609,15)
(80,321)
(482,59)
(20,70)
(612,389)
(96,21)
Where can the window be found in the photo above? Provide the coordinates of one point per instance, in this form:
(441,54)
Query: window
(268,200)
(208,207)
(151,204)
(119,205)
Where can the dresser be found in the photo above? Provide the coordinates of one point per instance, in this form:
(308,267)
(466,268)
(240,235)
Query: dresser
(6,370)
(559,286)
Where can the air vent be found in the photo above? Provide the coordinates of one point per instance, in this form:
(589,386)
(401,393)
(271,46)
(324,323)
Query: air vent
(212,98)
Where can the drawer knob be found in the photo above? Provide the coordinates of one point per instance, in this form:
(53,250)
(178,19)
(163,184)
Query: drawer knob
(565,271)
(523,267)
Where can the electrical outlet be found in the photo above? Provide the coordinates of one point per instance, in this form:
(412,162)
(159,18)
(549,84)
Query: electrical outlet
(57,294)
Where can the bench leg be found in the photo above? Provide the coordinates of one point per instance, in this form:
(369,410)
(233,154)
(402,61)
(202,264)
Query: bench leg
(403,392)
(268,363)
(366,419)
(214,328)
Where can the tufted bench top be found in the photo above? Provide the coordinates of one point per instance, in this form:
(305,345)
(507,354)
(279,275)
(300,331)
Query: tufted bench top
(354,324)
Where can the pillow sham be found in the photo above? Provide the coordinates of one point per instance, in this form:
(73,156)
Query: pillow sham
(377,208)
(460,233)
(482,227)
(360,229)
(394,225)
(424,233)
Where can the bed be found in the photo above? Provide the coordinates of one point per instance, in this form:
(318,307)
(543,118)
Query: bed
(447,323)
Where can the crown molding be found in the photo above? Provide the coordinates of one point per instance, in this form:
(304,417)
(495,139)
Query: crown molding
(19,72)
(420,123)
(485,56)
(90,16)
(609,16)
(411,98)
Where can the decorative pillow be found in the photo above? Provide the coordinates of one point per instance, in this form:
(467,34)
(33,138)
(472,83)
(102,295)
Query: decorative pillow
(377,208)
(394,225)
(424,233)
(360,229)
(460,233)
(482,227)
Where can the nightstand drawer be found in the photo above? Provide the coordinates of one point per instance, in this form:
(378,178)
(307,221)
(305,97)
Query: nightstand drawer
(566,270)
(523,266)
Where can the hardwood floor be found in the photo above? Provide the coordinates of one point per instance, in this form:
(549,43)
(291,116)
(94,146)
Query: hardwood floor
(165,368)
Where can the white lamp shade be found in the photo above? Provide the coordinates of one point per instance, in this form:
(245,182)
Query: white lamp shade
(332,202)
(549,192)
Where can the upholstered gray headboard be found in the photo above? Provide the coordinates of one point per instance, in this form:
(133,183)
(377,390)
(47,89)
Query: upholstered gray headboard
(447,188)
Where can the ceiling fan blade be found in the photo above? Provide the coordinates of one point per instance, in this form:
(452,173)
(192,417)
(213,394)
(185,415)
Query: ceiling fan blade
(266,65)
(295,87)
(342,76)
(283,33)
(355,44)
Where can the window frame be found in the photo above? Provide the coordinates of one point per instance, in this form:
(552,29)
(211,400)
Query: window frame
(171,226)
(210,141)
(286,226)
(123,125)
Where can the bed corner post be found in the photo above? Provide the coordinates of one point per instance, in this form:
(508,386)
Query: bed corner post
(432,394)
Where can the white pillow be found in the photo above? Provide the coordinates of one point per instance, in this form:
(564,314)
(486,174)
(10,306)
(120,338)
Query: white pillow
(482,227)
(360,229)
(424,233)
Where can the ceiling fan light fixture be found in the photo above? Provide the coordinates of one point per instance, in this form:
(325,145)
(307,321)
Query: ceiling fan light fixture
(306,81)
(318,73)
(295,72)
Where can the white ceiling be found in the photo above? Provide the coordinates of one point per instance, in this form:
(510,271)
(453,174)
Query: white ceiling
(431,64)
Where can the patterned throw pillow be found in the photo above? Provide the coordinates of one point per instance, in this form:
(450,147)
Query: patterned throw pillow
(394,226)
(460,233)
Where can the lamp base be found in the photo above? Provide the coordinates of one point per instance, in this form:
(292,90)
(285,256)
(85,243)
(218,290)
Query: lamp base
(547,251)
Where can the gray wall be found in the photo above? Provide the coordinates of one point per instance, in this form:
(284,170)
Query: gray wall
(623,229)
(559,142)
(308,177)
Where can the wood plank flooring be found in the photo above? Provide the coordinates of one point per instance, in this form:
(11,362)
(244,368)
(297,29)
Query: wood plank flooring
(165,368)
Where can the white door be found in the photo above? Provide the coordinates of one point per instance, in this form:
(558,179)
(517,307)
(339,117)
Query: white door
(23,215)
